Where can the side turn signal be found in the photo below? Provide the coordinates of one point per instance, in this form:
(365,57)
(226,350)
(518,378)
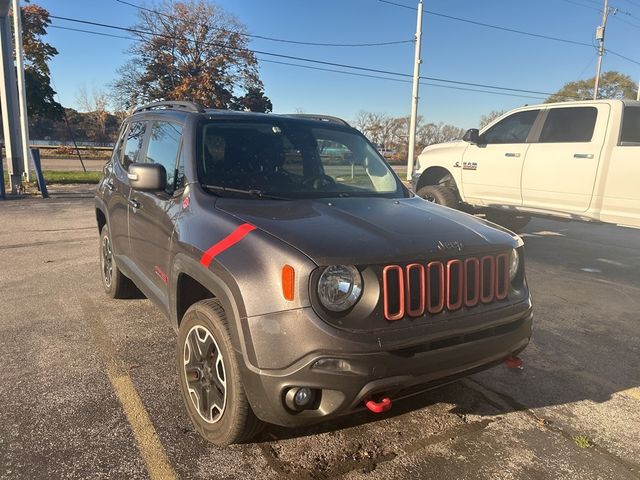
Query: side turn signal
(288,282)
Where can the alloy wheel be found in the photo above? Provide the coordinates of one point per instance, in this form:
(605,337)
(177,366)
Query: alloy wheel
(107,261)
(205,374)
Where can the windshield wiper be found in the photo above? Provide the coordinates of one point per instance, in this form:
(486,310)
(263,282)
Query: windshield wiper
(252,192)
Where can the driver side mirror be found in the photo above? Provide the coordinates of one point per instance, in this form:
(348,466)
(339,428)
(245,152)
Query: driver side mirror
(147,177)
(472,136)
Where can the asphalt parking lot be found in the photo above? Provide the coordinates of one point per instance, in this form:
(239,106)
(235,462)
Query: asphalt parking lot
(88,387)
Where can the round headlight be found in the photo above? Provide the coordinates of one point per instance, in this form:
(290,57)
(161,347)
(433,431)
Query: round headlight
(514,264)
(339,287)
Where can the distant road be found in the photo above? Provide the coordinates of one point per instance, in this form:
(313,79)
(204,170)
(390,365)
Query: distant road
(72,164)
(92,165)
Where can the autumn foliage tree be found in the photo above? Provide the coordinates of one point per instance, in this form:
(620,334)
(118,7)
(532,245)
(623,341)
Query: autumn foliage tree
(195,51)
(37,54)
(612,85)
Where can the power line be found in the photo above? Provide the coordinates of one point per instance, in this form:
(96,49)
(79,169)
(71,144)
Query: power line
(273,39)
(102,34)
(497,27)
(488,25)
(331,70)
(310,67)
(621,56)
(309,60)
(582,5)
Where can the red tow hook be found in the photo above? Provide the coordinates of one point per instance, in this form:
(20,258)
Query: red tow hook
(514,362)
(383,405)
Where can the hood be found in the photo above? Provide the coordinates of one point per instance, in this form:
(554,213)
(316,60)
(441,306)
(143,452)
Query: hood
(369,230)
(444,147)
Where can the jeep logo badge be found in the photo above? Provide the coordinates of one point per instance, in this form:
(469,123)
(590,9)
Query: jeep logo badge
(445,246)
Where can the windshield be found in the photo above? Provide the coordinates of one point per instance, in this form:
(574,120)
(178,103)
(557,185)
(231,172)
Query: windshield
(291,159)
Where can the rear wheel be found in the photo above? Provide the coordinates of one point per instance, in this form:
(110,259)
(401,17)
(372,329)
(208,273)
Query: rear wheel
(512,221)
(209,375)
(440,194)
(115,283)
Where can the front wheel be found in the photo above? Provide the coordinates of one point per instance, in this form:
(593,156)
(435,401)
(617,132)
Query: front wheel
(440,194)
(209,376)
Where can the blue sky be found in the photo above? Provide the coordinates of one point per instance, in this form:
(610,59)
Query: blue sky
(451,50)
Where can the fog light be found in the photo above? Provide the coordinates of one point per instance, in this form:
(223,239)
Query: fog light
(300,398)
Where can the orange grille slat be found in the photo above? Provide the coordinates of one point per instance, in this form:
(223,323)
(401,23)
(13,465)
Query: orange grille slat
(418,289)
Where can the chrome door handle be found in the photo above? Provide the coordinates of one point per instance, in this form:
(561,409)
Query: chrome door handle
(511,154)
(135,204)
(583,155)
(109,185)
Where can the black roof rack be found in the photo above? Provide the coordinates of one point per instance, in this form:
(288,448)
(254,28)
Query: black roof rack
(175,105)
(322,118)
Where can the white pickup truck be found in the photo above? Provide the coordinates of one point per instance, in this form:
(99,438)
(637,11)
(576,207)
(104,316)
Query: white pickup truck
(574,160)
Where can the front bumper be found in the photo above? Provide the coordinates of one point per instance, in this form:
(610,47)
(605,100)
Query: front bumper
(395,371)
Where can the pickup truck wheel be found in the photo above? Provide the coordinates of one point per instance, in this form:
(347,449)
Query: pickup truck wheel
(209,376)
(115,283)
(439,194)
(511,221)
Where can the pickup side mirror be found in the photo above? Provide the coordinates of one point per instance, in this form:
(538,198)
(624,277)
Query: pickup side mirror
(472,136)
(147,177)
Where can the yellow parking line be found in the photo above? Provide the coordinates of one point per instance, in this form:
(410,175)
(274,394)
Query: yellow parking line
(632,393)
(153,454)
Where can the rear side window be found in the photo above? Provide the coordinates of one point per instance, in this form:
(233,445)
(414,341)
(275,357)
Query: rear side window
(164,147)
(135,138)
(513,129)
(569,125)
(630,134)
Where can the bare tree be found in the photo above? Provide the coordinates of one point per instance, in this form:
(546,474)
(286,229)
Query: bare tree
(393,133)
(95,104)
(490,117)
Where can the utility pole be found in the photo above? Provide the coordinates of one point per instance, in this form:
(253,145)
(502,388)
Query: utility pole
(9,101)
(600,31)
(22,94)
(638,94)
(416,89)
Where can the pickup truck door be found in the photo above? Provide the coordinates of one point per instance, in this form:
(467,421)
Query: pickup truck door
(153,215)
(492,169)
(621,197)
(560,168)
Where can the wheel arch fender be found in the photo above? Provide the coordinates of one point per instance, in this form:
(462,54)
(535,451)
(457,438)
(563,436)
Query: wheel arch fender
(101,213)
(218,287)
(437,175)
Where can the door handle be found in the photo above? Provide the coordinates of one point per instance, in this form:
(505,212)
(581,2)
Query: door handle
(583,155)
(511,154)
(134,203)
(109,185)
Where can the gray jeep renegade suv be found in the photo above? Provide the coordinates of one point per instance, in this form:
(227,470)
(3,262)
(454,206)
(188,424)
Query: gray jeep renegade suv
(304,280)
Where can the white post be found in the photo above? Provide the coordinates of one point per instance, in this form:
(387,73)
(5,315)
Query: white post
(22,93)
(600,36)
(638,94)
(9,101)
(414,100)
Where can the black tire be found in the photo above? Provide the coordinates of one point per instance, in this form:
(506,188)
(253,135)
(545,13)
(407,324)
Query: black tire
(234,421)
(512,221)
(440,194)
(115,283)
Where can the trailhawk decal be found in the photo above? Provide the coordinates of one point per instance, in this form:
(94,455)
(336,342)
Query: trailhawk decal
(227,242)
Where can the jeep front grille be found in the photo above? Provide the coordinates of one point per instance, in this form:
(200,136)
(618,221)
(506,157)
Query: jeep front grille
(431,288)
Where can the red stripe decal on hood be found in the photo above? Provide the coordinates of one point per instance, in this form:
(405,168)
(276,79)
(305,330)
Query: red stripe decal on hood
(227,242)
